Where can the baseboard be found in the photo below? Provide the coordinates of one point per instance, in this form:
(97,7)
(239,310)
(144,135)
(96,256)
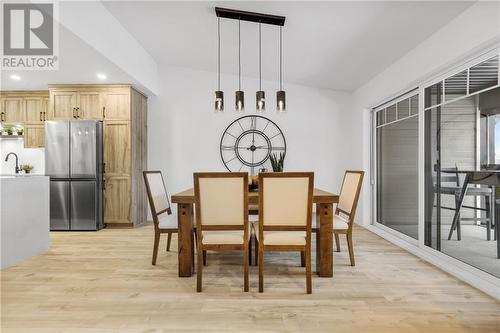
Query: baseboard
(117,225)
(478,279)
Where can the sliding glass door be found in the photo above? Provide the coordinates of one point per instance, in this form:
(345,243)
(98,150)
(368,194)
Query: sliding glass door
(396,139)
(449,148)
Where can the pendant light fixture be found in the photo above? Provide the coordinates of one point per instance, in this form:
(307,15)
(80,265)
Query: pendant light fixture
(280,95)
(219,94)
(260,96)
(240,95)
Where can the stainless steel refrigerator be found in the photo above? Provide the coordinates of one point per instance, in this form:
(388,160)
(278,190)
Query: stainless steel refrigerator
(73,160)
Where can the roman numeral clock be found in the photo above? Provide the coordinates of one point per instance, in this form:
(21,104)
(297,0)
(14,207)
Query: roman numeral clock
(248,142)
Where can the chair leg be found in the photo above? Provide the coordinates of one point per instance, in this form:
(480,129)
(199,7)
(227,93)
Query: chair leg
(351,249)
(250,241)
(246,250)
(169,239)
(155,247)
(199,269)
(337,242)
(204,257)
(308,271)
(256,249)
(261,271)
(302,259)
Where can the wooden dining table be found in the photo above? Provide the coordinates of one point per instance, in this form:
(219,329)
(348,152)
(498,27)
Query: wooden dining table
(324,229)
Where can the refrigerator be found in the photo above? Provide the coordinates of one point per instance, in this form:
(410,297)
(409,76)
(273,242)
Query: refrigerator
(74,163)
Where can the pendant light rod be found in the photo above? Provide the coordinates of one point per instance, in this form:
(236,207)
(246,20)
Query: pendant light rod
(218,53)
(260,58)
(249,16)
(239,55)
(281,59)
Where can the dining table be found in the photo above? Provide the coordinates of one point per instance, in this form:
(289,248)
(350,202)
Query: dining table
(323,200)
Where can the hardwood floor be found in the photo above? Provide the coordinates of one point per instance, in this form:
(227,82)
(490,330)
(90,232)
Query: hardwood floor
(104,282)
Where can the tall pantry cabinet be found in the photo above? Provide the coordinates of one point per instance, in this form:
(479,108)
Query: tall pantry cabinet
(123,111)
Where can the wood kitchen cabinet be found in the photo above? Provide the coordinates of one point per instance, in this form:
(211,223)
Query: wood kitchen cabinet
(34,135)
(62,105)
(12,110)
(123,111)
(23,106)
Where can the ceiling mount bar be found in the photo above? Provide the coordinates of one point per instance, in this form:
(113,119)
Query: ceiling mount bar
(249,16)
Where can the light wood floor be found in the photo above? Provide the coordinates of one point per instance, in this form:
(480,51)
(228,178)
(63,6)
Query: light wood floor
(104,282)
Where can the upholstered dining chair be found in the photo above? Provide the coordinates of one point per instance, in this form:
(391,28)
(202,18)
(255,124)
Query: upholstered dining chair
(221,200)
(345,212)
(163,219)
(285,214)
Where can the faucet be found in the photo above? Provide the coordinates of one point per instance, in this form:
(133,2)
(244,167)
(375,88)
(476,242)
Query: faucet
(17,160)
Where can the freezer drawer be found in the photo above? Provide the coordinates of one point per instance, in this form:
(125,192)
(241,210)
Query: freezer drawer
(57,149)
(83,149)
(83,205)
(59,205)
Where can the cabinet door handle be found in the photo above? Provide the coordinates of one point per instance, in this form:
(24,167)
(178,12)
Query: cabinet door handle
(74,110)
(41,116)
(45,116)
(103,112)
(2,116)
(78,112)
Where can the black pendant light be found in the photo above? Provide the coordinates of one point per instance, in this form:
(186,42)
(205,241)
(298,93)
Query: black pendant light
(219,94)
(260,96)
(240,95)
(280,95)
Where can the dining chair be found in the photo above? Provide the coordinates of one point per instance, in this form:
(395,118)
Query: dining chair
(345,212)
(164,221)
(285,213)
(221,200)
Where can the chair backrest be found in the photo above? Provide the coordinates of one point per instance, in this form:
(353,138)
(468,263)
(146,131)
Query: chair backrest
(450,175)
(221,200)
(285,200)
(157,194)
(349,194)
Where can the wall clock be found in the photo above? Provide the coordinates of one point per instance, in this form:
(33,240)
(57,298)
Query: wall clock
(248,142)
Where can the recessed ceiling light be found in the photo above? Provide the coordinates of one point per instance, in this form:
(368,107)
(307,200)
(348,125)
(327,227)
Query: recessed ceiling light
(15,77)
(101,76)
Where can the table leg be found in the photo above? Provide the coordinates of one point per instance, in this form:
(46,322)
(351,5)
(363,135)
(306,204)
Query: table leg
(324,239)
(185,238)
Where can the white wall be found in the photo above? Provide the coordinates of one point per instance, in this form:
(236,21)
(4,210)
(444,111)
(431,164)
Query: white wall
(475,29)
(32,156)
(184,132)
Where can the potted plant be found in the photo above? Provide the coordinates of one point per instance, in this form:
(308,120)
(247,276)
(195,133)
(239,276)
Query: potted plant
(7,130)
(19,130)
(26,168)
(277,162)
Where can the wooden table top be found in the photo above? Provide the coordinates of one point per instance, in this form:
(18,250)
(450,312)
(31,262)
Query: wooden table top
(319,196)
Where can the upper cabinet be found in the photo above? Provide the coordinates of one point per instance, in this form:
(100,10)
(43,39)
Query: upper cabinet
(18,107)
(62,105)
(97,102)
(12,109)
(117,105)
(90,105)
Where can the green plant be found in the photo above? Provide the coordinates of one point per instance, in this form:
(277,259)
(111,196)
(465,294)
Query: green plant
(19,130)
(7,129)
(277,162)
(26,168)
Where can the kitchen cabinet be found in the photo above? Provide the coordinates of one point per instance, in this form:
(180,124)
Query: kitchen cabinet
(90,106)
(34,110)
(117,105)
(34,135)
(62,105)
(12,110)
(123,111)
(23,106)
(117,206)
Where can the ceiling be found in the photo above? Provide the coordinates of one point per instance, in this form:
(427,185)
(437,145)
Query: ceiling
(335,45)
(78,63)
